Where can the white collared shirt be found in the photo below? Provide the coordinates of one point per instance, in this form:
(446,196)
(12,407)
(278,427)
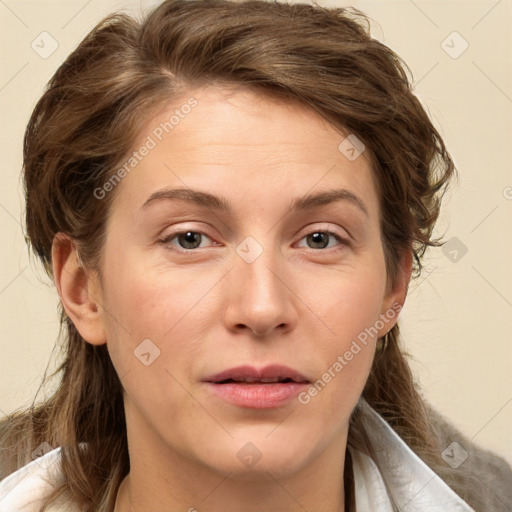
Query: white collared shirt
(403,478)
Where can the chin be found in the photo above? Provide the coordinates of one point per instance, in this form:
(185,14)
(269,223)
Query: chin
(262,459)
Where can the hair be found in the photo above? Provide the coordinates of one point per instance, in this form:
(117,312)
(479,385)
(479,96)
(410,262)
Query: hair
(90,115)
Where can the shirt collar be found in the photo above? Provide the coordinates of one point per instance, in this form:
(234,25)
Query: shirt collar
(397,475)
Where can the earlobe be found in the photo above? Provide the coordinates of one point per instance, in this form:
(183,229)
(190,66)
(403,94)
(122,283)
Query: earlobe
(78,290)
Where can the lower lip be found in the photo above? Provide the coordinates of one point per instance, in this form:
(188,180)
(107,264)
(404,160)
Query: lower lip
(258,396)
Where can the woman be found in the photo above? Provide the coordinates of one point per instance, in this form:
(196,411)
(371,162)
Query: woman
(232,213)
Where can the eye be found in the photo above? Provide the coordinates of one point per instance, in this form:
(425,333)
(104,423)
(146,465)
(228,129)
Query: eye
(320,239)
(187,240)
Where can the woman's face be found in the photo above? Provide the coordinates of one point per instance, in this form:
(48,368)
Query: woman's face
(247,269)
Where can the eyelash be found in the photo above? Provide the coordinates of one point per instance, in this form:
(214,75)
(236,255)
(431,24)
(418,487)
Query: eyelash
(166,241)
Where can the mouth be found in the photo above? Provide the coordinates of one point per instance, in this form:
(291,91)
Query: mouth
(266,388)
(270,374)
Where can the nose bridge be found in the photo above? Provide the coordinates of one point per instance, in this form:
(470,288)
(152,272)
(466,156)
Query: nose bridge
(262,299)
(258,266)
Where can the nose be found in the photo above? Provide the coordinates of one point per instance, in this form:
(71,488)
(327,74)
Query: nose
(260,296)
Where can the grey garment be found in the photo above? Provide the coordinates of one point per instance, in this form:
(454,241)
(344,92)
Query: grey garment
(484,478)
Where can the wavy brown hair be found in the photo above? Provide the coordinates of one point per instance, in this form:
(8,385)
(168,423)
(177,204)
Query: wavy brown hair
(86,122)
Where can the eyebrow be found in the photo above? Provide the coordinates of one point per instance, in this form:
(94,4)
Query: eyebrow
(307,202)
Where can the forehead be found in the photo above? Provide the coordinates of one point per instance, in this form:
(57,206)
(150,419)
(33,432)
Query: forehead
(249,118)
(241,141)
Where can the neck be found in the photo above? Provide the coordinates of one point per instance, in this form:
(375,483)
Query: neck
(319,487)
(130,498)
(163,479)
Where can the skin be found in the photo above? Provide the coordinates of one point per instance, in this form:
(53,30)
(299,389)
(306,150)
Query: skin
(300,303)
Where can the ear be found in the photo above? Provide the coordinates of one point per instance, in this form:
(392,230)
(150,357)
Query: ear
(396,294)
(79,291)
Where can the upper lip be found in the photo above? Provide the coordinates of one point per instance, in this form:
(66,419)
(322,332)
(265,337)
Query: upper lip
(268,373)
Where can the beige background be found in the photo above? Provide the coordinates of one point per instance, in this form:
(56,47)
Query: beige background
(457,322)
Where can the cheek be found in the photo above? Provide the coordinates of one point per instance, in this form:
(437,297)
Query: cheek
(172,308)
(350,307)
(345,359)
(149,301)
(349,302)
(150,322)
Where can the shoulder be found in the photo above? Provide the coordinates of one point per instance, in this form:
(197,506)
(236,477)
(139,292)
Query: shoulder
(491,474)
(26,489)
